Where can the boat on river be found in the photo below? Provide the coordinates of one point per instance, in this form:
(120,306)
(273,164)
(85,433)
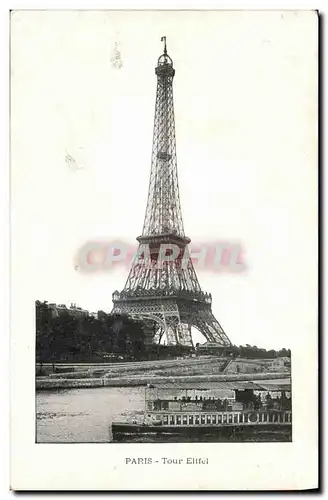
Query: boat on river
(215,412)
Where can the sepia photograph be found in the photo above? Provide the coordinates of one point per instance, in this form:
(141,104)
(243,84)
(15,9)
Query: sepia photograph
(167,212)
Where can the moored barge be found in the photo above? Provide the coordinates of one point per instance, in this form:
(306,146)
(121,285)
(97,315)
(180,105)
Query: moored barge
(224,412)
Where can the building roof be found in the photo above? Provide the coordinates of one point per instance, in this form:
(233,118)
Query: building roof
(276,387)
(222,385)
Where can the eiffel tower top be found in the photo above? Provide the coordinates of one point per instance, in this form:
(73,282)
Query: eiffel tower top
(164,63)
(169,295)
(163,213)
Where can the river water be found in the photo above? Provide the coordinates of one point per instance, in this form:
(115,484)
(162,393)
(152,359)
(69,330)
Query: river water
(85,415)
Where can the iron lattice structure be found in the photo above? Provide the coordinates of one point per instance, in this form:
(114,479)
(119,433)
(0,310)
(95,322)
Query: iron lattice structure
(169,294)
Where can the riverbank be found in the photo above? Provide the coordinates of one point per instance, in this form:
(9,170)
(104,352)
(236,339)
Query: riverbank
(46,383)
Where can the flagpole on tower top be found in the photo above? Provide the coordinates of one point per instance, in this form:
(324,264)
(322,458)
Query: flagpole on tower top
(163,39)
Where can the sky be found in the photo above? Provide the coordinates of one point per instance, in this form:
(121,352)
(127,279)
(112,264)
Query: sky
(245,94)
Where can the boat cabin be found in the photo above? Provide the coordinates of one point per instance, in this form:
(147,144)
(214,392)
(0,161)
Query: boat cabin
(218,403)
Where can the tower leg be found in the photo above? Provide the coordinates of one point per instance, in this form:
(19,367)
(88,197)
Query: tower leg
(184,335)
(208,326)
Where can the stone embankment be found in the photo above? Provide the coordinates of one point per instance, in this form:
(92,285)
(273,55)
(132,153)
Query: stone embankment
(47,383)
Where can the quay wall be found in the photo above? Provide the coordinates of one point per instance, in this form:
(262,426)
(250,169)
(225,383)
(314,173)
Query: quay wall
(131,367)
(46,383)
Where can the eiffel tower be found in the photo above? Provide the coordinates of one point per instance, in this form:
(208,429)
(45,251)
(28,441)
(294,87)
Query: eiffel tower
(166,292)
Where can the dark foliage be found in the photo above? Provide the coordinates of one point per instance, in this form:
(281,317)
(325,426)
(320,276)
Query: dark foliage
(249,351)
(87,339)
(111,338)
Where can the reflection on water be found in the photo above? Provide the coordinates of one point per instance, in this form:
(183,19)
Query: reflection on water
(85,415)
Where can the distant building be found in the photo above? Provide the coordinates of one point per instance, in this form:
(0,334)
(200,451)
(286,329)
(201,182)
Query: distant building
(281,363)
(101,315)
(73,310)
(209,348)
